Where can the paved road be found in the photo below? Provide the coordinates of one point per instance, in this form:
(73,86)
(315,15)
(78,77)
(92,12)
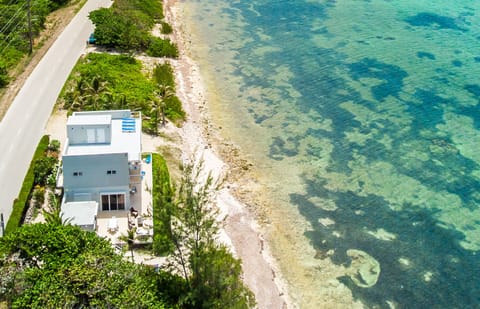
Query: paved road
(23,125)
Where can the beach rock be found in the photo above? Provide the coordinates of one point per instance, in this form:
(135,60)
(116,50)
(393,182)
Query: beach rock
(364,270)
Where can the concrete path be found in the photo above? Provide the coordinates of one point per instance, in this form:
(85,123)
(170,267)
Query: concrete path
(23,125)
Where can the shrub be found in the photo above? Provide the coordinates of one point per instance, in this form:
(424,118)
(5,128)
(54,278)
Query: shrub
(163,75)
(166,28)
(39,195)
(43,167)
(4,78)
(118,30)
(126,26)
(20,203)
(54,146)
(128,87)
(162,206)
(161,48)
(174,110)
(55,4)
(52,178)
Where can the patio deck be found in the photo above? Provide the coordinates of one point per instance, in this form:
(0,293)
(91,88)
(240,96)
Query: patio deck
(141,200)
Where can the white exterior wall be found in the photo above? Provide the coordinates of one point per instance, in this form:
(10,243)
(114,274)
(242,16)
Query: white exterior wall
(91,134)
(86,177)
(89,129)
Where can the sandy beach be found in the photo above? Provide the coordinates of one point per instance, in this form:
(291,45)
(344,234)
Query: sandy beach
(199,138)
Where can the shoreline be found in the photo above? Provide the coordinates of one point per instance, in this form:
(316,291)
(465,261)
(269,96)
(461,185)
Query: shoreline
(200,137)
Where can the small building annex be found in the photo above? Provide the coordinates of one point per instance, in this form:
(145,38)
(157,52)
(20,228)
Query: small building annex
(101,164)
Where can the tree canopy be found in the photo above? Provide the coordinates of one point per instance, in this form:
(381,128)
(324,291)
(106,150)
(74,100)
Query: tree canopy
(54,265)
(57,266)
(14,30)
(126,25)
(212,274)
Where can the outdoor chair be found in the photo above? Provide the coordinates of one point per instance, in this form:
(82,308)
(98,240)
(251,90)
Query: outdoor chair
(113,224)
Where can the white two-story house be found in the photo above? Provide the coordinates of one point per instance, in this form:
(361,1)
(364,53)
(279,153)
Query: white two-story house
(101,164)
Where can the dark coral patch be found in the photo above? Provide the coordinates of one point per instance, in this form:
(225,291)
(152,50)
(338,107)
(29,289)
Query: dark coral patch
(426,19)
(473,89)
(426,55)
(457,63)
(428,112)
(419,237)
(281,148)
(392,76)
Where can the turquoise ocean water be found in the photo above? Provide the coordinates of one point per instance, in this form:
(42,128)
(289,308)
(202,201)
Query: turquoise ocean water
(362,119)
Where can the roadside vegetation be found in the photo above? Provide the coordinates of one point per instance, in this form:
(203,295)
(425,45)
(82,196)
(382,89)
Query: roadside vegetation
(40,174)
(127,26)
(15,33)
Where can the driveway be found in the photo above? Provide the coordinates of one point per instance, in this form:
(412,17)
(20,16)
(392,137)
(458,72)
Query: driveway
(23,125)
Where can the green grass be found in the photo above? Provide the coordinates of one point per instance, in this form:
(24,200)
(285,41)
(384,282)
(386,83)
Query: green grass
(152,8)
(163,75)
(128,87)
(124,77)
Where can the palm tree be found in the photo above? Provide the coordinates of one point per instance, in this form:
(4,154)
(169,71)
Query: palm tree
(120,102)
(73,96)
(95,92)
(163,93)
(155,110)
(129,238)
(54,214)
(91,94)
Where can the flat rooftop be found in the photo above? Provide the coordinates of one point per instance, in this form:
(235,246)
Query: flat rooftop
(125,135)
(87,119)
(80,213)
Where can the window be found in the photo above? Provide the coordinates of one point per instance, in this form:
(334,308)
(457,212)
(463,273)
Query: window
(111,172)
(113,202)
(90,136)
(77,173)
(101,135)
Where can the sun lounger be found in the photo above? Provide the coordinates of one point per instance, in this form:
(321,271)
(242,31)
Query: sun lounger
(112,224)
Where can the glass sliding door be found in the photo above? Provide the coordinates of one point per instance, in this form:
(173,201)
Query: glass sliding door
(121,201)
(113,201)
(105,202)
